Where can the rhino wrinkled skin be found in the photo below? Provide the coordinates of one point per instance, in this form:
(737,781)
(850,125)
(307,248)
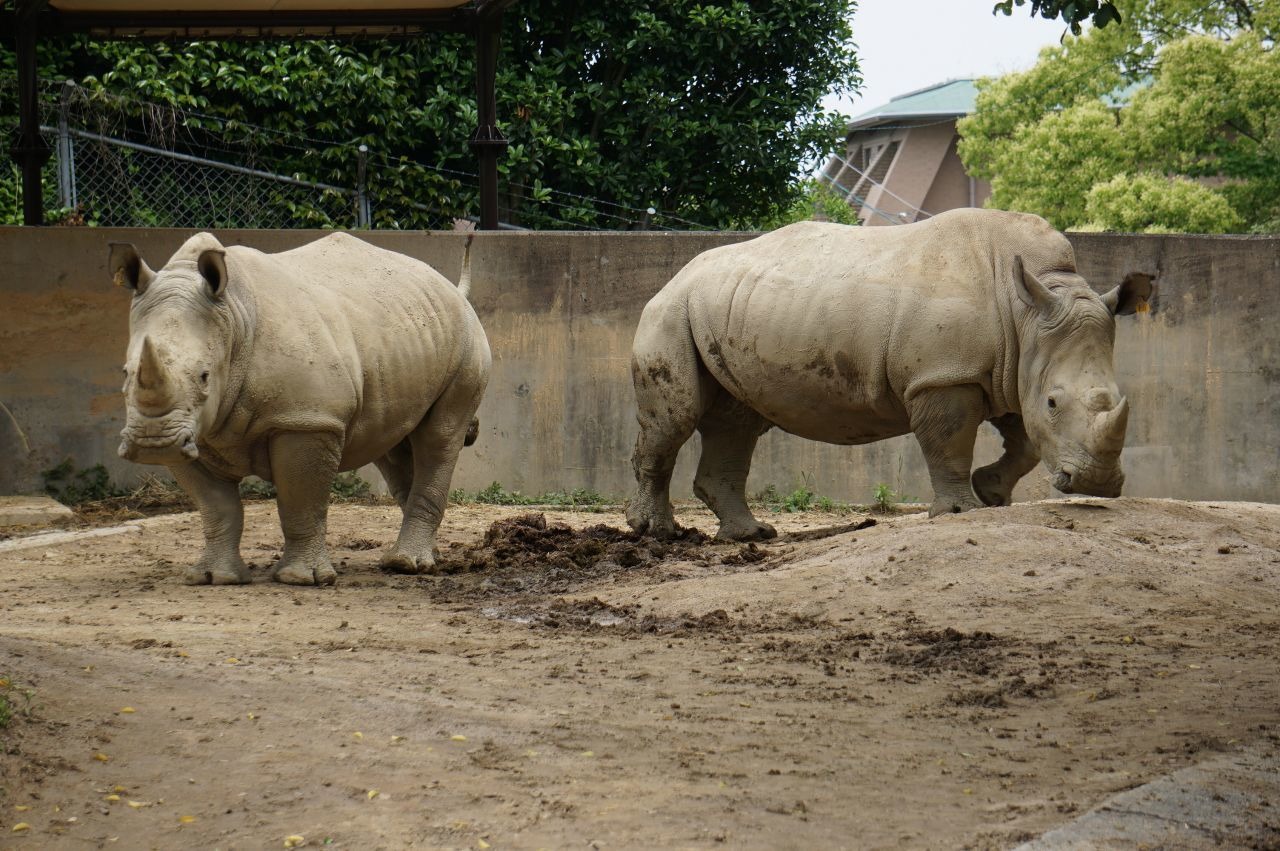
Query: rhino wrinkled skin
(851,335)
(293,367)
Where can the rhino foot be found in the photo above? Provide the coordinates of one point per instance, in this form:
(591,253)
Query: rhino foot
(209,572)
(644,523)
(754,531)
(953,506)
(990,487)
(397,561)
(302,573)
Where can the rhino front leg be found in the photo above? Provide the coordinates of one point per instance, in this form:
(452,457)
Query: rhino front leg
(302,468)
(729,433)
(435,444)
(222,515)
(945,421)
(994,483)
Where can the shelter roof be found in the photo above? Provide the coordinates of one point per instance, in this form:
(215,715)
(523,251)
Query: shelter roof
(948,99)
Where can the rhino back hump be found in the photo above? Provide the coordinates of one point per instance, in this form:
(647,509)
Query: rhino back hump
(346,331)
(827,319)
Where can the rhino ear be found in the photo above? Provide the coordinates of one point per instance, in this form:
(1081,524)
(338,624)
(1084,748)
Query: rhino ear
(1029,289)
(1133,291)
(213,268)
(128,268)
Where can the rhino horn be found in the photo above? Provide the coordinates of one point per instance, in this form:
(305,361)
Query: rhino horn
(1111,425)
(153,384)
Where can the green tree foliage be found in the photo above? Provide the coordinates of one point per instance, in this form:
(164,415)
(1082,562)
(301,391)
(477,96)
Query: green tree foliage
(1072,12)
(1197,139)
(704,110)
(1102,12)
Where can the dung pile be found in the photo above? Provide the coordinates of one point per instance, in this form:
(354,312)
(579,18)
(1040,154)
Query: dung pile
(529,541)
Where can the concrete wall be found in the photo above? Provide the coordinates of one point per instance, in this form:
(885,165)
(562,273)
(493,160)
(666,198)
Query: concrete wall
(1202,369)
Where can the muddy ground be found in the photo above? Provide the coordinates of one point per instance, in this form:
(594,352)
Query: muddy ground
(970,681)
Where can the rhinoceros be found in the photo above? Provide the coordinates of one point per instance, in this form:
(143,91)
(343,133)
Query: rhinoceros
(851,335)
(292,367)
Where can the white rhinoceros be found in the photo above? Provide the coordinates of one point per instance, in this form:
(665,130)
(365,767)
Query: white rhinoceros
(292,367)
(851,335)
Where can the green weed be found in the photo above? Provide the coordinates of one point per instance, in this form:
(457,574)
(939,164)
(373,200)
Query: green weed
(883,499)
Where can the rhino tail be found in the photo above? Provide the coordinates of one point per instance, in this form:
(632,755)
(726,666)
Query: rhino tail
(464,280)
(473,432)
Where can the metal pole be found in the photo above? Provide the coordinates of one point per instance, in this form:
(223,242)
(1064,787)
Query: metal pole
(487,142)
(30,150)
(66,177)
(363,213)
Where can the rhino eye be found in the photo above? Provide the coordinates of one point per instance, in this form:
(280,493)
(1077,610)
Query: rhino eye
(1053,403)
(204,377)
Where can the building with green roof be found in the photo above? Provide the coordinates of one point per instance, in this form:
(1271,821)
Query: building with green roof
(899,162)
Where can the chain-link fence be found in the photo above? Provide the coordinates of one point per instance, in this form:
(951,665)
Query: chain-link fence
(119,183)
(119,162)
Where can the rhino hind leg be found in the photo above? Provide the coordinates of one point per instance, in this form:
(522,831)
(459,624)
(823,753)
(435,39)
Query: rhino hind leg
(994,483)
(945,421)
(396,468)
(222,515)
(303,466)
(434,447)
(729,432)
(672,390)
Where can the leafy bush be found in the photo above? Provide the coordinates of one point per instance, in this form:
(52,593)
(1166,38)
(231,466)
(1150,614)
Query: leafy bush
(74,487)
(817,200)
(1152,203)
(349,486)
(255,488)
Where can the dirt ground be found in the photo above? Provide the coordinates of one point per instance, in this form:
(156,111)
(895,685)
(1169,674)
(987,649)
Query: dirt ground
(970,681)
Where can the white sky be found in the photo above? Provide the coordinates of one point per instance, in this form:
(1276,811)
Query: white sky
(904,45)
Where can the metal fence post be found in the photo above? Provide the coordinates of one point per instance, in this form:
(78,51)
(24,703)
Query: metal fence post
(363,213)
(66,152)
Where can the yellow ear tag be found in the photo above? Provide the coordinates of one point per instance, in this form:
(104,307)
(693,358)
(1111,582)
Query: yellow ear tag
(118,278)
(1144,307)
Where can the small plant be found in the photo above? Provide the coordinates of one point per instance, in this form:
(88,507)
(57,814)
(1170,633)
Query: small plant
(15,702)
(496,494)
(803,498)
(346,487)
(883,499)
(800,499)
(576,498)
(74,487)
(349,486)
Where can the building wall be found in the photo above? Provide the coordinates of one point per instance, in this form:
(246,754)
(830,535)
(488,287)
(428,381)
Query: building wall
(927,173)
(951,186)
(1202,368)
(914,172)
